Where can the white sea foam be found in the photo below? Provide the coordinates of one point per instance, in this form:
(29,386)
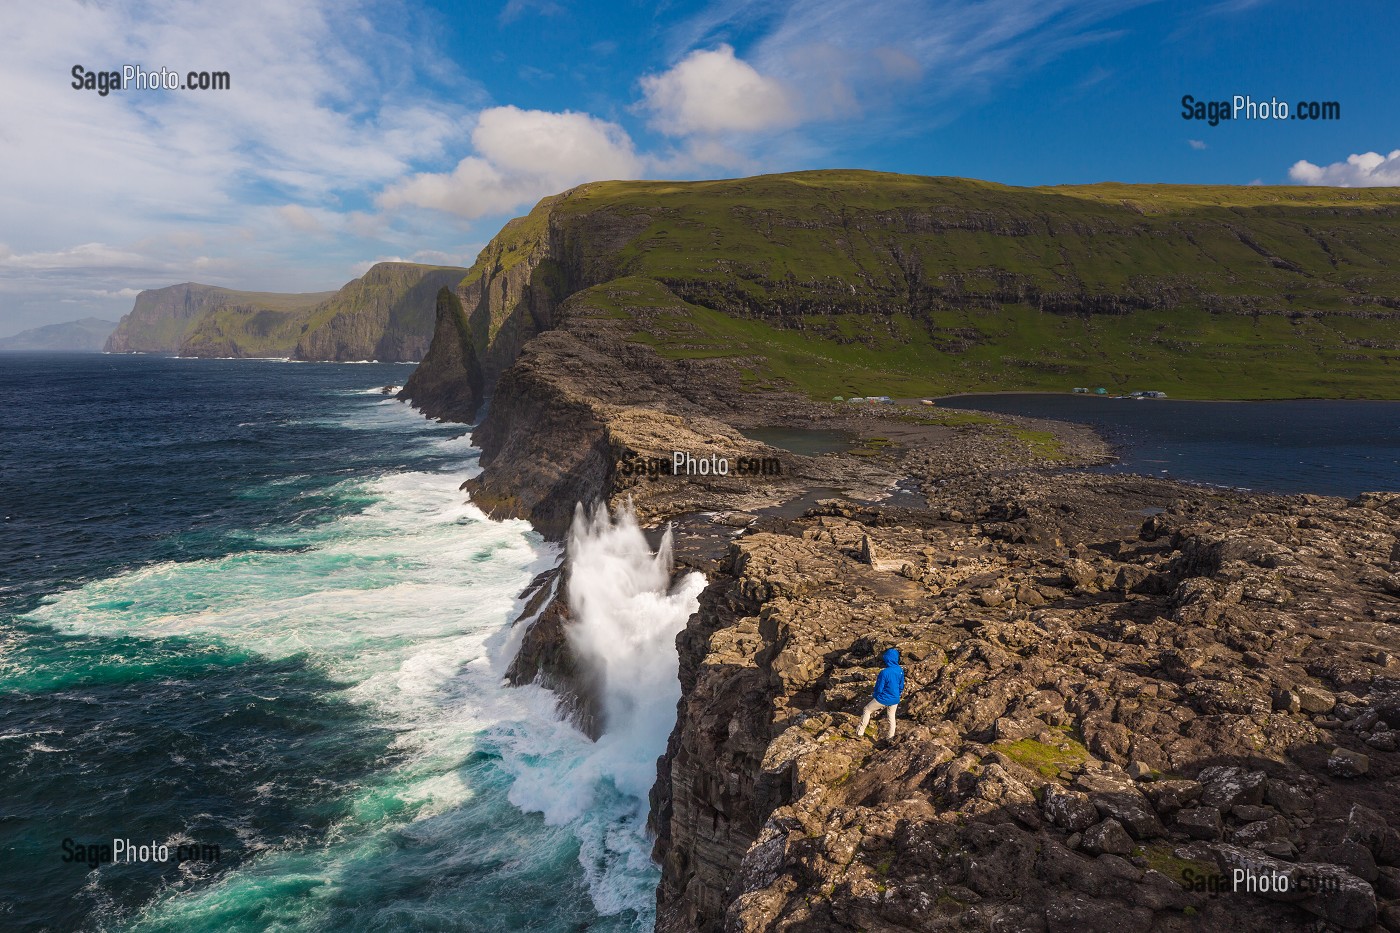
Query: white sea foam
(409,602)
(626,618)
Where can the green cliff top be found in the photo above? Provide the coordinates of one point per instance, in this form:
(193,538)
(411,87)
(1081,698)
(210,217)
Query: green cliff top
(858,283)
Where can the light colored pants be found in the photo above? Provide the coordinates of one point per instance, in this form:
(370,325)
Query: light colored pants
(874,706)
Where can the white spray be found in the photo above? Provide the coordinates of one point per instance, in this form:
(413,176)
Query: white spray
(625,620)
(626,617)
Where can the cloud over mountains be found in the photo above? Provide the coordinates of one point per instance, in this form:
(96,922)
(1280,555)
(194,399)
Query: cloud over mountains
(1366,170)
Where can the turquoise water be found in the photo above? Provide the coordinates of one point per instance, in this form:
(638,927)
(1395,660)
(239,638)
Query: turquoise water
(246,605)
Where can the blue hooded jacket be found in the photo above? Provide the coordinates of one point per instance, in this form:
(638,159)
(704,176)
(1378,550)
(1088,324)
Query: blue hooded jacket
(889,686)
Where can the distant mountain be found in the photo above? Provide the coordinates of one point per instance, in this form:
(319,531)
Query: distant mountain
(248,323)
(386,314)
(85,336)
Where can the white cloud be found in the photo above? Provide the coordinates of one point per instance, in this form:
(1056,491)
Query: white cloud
(848,59)
(1197,144)
(1366,170)
(144,188)
(299,218)
(522,155)
(436,257)
(711,92)
(429,257)
(515,9)
(84,256)
(360,268)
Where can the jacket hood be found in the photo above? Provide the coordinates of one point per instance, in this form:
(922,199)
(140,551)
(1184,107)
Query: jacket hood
(891,657)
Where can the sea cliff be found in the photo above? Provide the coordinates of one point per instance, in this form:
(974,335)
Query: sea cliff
(388,314)
(1121,690)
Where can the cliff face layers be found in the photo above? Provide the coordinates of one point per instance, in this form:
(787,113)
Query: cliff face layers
(842,283)
(387,314)
(162,319)
(510,295)
(1120,690)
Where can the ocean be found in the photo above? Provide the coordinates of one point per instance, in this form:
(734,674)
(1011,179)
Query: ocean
(248,620)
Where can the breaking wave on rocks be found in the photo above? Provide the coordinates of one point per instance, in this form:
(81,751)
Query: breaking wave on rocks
(625,615)
(327,703)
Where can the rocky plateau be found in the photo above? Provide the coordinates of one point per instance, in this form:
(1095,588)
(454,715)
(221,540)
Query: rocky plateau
(1124,694)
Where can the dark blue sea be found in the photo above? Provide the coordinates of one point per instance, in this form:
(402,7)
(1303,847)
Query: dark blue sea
(244,606)
(1335,448)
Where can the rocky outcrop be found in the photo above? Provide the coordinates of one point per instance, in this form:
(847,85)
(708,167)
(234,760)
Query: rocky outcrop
(449,383)
(506,297)
(388,314)
(1121,691)
(1097,733)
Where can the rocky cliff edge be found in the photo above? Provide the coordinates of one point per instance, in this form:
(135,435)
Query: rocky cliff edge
(1131,703)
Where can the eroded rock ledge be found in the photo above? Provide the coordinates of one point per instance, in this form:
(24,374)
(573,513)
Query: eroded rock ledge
(1120,689)
(1105,713)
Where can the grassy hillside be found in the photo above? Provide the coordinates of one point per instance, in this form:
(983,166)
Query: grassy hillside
(246,330)
(846,282)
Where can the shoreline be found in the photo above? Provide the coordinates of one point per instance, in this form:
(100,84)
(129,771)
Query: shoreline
(1023,590)
(994,543)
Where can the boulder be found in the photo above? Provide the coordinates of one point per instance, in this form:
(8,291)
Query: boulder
(1260,832)
(1107,837)
(1345,763)
(1315,700)
(1326,891)
(1288,797)
(1169,796)
(1224,786)
(1370,829)
(1069,809)
(1199,822)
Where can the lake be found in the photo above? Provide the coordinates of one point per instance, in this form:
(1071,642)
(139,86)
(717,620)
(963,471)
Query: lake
(1330,447)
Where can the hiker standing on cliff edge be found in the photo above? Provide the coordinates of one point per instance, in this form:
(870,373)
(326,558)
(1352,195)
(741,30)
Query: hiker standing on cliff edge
(889,687)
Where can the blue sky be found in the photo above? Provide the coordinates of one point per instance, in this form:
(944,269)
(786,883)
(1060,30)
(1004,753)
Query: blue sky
(356,132)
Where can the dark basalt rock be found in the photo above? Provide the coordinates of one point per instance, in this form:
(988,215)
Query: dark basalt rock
(1105,710)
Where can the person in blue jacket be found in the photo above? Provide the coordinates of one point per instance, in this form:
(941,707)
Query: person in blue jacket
(889,688)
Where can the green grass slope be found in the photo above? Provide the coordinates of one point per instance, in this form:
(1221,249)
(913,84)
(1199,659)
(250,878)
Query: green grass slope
(247,330)
(850,282)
